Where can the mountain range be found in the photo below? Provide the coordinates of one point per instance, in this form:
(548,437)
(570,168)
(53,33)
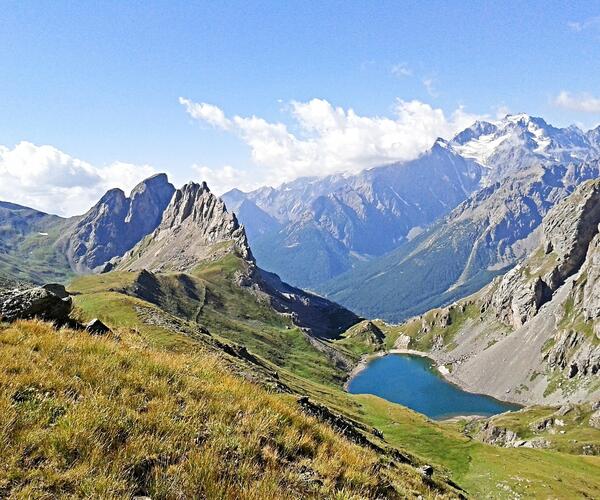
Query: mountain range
(437,228)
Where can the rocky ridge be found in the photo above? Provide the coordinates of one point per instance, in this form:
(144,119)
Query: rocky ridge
(195,227)
(116,223)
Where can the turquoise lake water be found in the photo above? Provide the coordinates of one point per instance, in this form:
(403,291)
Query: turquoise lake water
(414,382)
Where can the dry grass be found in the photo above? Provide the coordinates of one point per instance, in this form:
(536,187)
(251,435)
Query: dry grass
(97,417)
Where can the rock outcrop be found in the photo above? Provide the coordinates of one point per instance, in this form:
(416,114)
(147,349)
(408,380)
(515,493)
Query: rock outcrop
(37,302)
(567,232)
(195,227)
(116,223)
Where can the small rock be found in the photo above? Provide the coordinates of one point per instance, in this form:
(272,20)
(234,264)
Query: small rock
(564,410)
(96,327)
(426,470)
(378,433)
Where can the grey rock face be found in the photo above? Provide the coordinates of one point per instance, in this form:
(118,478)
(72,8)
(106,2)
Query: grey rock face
(195,227)
(36,303)
(590,290)
(568,230)
(116,223)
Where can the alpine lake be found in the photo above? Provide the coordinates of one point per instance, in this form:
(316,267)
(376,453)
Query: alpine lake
(413,381)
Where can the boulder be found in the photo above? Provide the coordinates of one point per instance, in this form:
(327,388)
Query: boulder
(56,289)
(36,303)
(96,327)
(426,470)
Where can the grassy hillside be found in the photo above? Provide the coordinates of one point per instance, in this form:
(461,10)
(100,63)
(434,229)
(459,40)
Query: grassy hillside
(236,315)
(207,298)
(28,249)
(113,418)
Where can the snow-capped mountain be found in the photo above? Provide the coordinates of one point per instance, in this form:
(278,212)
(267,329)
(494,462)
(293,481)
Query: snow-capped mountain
(519,140)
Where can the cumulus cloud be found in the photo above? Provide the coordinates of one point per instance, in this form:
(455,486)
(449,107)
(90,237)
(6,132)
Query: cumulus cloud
(328,139)
(586,103)
(45,178)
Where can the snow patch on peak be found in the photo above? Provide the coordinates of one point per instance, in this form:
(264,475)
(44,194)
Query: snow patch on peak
(525,136)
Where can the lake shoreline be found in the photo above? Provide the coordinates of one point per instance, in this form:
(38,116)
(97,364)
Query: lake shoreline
(362,363)
(440,369)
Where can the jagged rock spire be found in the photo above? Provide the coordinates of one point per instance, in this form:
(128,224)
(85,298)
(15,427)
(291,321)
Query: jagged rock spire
(195,227)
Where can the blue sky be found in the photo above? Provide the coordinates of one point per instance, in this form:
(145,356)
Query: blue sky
(101,81)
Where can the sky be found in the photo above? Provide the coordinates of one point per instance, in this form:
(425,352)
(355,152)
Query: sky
(95,95)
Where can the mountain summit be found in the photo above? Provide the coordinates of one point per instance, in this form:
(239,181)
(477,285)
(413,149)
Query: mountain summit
(116,223)
(195,226)
(517,141)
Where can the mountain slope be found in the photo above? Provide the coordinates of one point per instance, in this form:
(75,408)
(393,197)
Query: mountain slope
(483,236)
(119,419)
(324,225)
(28,244)
(531,335)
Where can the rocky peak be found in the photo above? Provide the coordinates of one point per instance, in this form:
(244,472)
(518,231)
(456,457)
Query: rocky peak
(148,200)
(568,230)
(195,227)
(116,223)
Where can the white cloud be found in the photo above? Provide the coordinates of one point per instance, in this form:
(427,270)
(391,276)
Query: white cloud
(45,178)
(401,70)
(579,26)
(429,85)
(222,179)
(586,103)
(333,139)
